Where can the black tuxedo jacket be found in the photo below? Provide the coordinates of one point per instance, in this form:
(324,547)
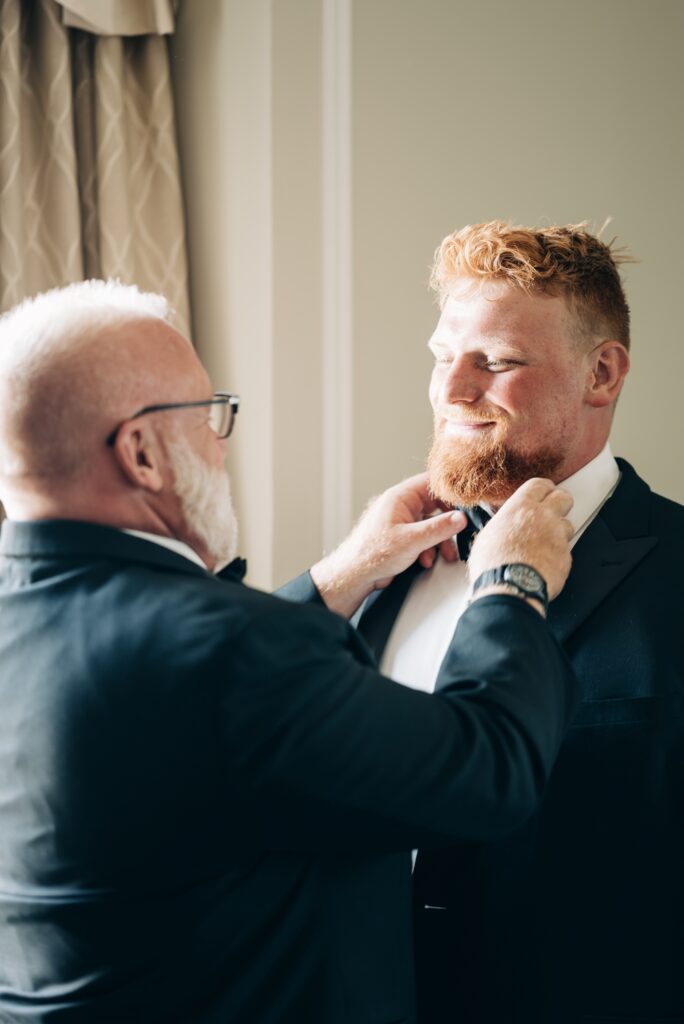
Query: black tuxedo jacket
(578,916)
(200,783)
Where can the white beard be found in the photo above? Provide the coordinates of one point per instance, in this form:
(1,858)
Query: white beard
(204,494)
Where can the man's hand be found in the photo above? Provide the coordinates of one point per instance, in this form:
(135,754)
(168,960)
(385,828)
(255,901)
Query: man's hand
(530,527)
(397,528)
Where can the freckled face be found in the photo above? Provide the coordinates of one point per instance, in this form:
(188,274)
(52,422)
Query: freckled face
(507,391)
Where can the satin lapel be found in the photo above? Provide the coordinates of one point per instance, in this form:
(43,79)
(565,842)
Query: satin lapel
(382,608)
(617,540)
(600,563)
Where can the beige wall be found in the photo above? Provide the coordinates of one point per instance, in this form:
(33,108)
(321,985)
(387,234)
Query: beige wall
(221,70)
(247,85)
(538,110)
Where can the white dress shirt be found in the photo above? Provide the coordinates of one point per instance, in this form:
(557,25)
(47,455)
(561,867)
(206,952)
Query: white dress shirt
(426,622)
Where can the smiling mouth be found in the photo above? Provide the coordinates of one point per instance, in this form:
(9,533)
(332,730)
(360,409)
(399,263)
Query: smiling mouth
(466,427)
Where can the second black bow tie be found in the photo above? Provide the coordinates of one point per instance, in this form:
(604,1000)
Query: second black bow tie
(235,570)
(477,519)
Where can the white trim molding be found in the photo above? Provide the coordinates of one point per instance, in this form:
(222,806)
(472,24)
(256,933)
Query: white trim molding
(337,272)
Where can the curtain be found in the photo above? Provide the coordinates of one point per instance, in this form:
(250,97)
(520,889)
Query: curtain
(89,171)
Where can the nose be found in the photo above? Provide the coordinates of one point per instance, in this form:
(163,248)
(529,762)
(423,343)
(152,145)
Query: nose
(459,382)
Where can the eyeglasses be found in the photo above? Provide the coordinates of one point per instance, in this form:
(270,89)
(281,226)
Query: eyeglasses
(223,408)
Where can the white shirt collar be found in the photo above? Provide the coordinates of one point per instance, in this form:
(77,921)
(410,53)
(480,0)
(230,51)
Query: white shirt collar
(178,546)
(590,487)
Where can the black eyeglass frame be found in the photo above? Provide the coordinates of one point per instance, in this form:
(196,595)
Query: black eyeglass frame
(219,398)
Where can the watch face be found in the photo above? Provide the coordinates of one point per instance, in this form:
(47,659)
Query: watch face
(524,576)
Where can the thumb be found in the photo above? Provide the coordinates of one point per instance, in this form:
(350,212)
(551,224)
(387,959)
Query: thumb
(436,529)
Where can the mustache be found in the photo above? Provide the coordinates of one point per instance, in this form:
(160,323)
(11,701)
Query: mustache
(452,414)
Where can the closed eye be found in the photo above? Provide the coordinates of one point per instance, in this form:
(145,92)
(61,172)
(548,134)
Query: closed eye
(498,365)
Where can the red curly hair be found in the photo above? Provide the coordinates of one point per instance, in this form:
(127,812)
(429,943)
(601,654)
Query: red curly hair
(564,261)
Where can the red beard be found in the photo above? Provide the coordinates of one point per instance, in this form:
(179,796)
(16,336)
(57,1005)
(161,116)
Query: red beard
(484,471)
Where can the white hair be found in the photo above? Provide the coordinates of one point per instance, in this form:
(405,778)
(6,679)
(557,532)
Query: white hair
(52,319)
(48,394)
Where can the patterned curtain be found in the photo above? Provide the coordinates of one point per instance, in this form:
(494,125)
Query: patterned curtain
(89,175)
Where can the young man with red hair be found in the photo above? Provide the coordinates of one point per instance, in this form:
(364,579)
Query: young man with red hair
(578,916)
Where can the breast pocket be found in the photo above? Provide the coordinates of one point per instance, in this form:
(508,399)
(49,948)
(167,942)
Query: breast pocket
(615,711)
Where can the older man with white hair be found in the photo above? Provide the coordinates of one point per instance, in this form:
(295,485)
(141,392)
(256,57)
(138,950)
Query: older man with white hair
(200,783)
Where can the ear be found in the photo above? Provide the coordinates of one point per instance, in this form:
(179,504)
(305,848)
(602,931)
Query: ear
(608,367)
(139,457)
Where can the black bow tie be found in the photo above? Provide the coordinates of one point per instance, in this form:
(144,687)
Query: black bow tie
(235,570)
(477,519)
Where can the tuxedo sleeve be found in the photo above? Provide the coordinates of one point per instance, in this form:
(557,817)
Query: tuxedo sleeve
(335,756)
(301,590)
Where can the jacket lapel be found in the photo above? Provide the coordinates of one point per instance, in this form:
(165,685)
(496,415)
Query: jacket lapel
(600,563)
(381,610)
(611,547)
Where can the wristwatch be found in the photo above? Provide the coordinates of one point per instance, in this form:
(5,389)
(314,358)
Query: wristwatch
(526,580)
